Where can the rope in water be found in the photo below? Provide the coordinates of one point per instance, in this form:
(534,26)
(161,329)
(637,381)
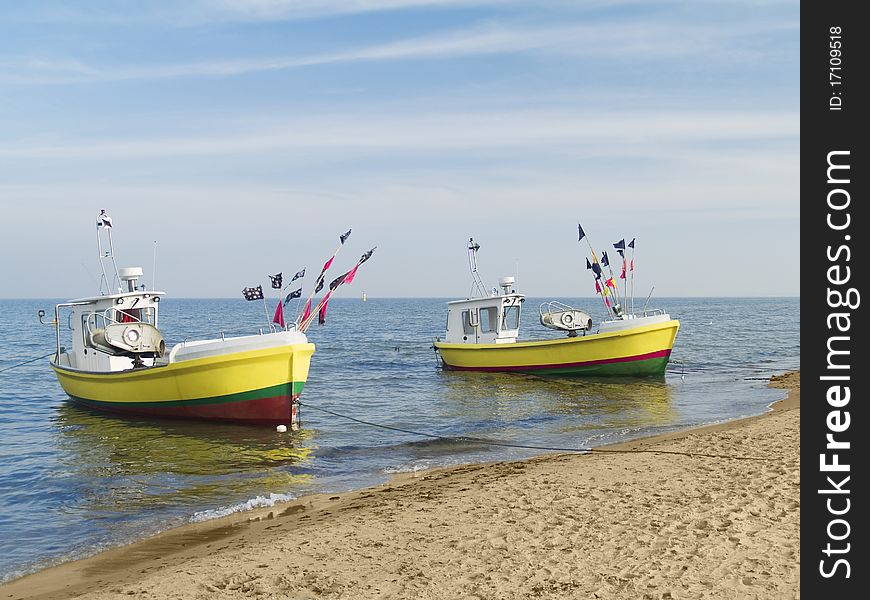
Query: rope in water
(26,362)
(487,442)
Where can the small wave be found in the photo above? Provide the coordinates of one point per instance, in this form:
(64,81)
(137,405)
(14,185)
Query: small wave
(258,502)
(406,469)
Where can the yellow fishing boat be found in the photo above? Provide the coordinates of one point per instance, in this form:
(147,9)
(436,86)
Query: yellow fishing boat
(118,360)
(483,335)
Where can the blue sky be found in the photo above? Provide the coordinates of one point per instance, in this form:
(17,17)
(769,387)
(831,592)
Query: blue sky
(243,136)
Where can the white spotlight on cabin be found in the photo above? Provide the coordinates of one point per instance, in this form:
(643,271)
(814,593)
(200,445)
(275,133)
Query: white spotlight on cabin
(281,428)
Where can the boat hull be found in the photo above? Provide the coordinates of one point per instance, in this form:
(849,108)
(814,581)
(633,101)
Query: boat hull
(632,352)
(213,387)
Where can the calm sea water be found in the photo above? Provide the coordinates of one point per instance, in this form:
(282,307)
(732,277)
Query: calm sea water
(73,482)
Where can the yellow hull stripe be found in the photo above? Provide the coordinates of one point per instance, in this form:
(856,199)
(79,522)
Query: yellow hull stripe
(596,348)
(201,378)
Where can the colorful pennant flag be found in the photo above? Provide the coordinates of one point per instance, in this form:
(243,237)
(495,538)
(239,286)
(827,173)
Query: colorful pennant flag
(253,293)
(622,275)
(611,283)
(293,294)
(319,284)
(588,264)
(580,231)
(276,281)
(279,314)
(351,274)
(596,268)
(343,237)
(605,262)
(307,312)
(298,275)
(321,315)
(631,243)
(597,287)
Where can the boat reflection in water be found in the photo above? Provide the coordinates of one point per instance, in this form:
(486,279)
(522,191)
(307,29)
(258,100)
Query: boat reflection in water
(592,409)
(124,464)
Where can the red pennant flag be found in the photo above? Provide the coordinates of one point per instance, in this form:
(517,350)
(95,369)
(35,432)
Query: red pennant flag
(597,287)
(632,265)
(279,314)
(307,312)
(321,316)
(349,277)
(622,276)
(610,283)
(607,301)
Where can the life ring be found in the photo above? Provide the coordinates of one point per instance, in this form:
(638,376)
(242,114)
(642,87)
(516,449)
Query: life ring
(567,319)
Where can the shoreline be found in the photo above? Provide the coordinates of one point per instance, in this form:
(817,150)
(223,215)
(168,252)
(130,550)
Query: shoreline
(708,510)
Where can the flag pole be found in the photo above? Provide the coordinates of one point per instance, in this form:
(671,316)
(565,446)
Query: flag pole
(595,259)
(632,274)
(615,289)
(266,310)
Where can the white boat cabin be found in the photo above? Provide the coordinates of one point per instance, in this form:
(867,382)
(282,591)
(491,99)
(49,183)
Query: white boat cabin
(113,332)
(493,319)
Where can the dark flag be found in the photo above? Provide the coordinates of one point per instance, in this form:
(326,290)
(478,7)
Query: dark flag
(338,281)
(319,284)
(580,230)
(253,293)
(291,295)
(298,275)
(343,237)
(604,260)
(596,268)
(276,281)
(588,264)
(620,247)
(366,256)
(631,244)
(104,220)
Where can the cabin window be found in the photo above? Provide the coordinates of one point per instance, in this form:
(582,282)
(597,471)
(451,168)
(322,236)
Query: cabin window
(511,318)
(467,327)
(489,319)
(148,315)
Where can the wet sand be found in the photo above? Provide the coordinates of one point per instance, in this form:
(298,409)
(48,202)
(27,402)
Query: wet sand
(712,512)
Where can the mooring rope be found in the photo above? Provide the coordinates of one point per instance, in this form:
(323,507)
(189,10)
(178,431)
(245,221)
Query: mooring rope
(26,362)
(487,442)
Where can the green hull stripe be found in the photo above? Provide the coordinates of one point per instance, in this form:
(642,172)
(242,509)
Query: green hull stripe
(282,389)
(648,367)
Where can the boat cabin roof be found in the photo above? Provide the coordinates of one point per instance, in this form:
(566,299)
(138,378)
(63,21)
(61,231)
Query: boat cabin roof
(493,300)
(114,297)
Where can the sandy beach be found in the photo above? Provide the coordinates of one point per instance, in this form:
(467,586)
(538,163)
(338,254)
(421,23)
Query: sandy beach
(712,512)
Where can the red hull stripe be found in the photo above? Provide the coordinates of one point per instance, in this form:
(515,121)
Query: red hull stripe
(589,363)
(271,410)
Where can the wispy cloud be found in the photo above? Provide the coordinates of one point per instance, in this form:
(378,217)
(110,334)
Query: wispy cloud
(466,132)
(643,41)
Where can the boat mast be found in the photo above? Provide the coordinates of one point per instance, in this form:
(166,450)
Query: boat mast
(476,282)
(104,222)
